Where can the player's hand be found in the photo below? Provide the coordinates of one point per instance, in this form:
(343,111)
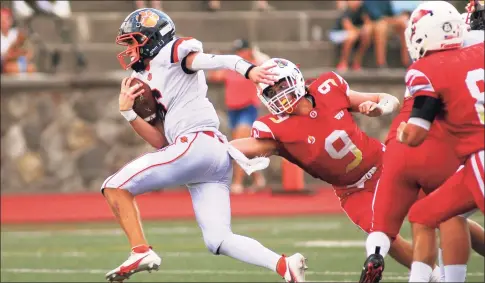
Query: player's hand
(262,74)
(128,94)
(401,137)
(470,8)
(370,108)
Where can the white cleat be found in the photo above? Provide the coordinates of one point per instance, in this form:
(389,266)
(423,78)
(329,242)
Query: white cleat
(295,268)
(137,262)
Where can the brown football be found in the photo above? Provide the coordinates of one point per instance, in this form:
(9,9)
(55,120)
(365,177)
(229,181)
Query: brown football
(145,105)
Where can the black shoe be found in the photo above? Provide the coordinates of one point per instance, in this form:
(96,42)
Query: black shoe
(373,268)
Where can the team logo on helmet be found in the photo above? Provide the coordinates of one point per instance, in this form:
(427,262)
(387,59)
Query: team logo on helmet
(147,18)
(420,14)
(281,63)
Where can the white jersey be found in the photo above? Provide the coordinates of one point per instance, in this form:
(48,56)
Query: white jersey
(183,93)
(473,37)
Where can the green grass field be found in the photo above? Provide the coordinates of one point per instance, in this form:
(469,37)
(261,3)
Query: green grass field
(74,252)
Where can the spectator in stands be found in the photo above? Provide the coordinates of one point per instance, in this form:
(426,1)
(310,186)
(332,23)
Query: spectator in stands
(352,26)
(387,13)
(242,106)
(15,55)
(60,12)
(155,4)
(215,5)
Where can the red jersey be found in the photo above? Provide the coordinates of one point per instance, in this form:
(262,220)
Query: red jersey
(456,77)
(326,143)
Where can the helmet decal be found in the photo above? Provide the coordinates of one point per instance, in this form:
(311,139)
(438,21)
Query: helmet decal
(147,18)
(281,63)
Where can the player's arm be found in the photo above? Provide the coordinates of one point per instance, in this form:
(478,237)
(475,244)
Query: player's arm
(372,104)
(426,107)
(253,147)
(151,134)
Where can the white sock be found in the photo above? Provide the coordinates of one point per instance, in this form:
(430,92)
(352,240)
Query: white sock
(377,239)
(436,275)
(250,251)
(442,265)
(455,273)
(420,272)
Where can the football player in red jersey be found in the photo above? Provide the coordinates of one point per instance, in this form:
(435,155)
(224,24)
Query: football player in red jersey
(455,95)
(433,162)
(313,128)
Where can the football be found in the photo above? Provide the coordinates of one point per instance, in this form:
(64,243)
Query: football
(145,105)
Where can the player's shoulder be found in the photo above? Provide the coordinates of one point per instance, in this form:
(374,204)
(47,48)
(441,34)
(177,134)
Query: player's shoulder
(176,50)
(269,126)
(182,46)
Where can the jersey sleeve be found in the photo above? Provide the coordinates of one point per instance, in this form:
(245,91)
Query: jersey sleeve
(419,84)
(331,88)
(182,47)
(261,130)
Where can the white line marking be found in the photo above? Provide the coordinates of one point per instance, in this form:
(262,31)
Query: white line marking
(397,275)
(330,244)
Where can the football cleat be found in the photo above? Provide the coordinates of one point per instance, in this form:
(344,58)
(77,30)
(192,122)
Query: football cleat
(373,268)
(295,268)
(146,261)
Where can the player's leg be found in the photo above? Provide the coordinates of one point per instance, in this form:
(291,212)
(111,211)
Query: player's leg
(426,214)
(477,236)
(389,207)
(211,202)
(474,178)
(177,164)
(455,246)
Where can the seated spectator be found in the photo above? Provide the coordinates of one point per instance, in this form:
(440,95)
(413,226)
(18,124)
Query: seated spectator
(215,5)
(242,107)
(155,4)
(15,56)
(60,13)
(353,25)
(387,13)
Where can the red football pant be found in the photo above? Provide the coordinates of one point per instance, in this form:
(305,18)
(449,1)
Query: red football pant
(358,204)
(459,194)
(406,171)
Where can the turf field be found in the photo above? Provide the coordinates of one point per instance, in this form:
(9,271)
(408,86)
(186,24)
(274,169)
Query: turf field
(74,252)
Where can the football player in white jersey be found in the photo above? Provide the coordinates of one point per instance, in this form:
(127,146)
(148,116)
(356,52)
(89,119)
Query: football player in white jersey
(190,149)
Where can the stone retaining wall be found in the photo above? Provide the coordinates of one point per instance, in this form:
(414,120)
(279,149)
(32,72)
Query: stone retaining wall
(65,134)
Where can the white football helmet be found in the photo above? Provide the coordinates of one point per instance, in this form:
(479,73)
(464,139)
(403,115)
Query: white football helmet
(285,93)
(434,25)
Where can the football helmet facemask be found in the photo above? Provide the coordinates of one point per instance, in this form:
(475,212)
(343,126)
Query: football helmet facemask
(287,91)
(144,32)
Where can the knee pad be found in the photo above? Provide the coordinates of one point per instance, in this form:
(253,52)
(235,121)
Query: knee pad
(213,238)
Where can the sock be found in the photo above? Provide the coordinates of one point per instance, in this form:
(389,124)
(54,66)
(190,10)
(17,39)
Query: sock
(281,266)
(442,265)
(436,275)
(250,251)
(377,239)
(420,272)
(455,273)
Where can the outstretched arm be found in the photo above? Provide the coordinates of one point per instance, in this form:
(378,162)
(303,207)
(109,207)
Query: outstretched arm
(372,104)
(252,147)
(196,61)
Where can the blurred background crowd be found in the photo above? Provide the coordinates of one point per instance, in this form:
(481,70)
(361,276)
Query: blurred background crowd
(77,37)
